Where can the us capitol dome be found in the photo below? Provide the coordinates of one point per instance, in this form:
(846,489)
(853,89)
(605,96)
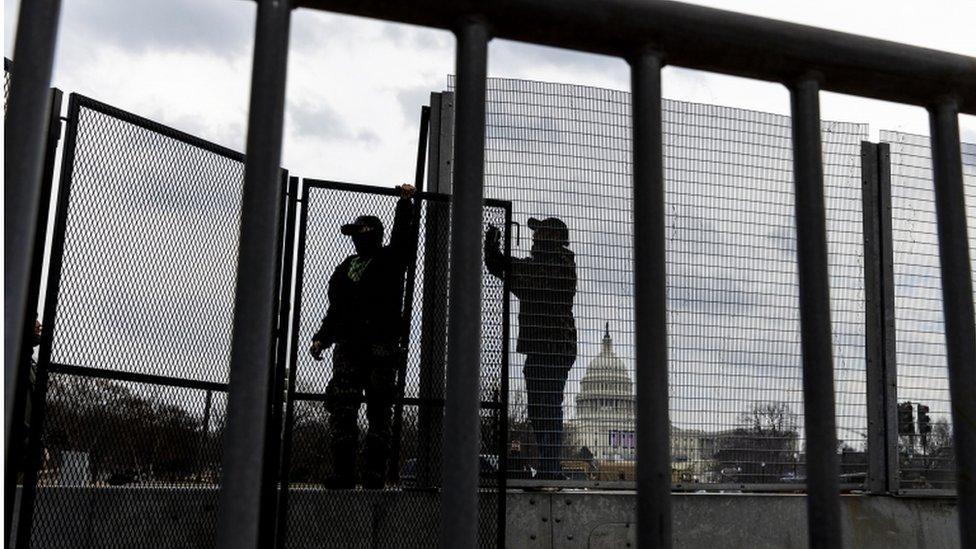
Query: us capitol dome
(605,403)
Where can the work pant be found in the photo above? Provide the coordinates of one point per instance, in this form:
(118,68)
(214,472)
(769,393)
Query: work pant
(357,370)
(545,381)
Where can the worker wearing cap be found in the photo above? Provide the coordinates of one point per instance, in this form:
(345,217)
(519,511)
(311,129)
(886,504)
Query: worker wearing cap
(545,284)
(364,323)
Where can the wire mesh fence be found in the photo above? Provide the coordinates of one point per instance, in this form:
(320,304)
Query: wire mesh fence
(926,455)
(406,511)
(135,350)
(563,151)
(7,66)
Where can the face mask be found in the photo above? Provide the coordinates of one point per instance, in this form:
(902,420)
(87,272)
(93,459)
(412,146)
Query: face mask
(367,243)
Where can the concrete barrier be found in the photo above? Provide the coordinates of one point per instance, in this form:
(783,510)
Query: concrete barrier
(139,517)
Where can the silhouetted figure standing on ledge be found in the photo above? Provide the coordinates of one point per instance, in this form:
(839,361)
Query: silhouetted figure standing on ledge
(545,284)
(364,323)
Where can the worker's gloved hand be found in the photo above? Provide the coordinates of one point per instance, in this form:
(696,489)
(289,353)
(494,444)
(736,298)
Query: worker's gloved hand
(316,350)
(493,237)
(406,190)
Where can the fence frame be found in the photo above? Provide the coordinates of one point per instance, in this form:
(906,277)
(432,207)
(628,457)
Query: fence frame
(731,43)
(52,283)
(17,416)
(294,345)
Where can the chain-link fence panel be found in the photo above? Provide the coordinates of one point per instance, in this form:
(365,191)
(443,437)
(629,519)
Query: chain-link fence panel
(925,451)
(135,350)
(406,512)
(128,464)
(7,65)
(564,151)
(149,258)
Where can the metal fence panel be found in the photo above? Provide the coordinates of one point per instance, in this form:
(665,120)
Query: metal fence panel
(925,462)
(137,321)
(406,513)
(736,393)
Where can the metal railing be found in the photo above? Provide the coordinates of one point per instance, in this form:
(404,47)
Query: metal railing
(648,35)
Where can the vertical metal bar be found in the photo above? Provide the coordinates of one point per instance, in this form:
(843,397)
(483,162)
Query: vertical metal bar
(280,310)
(49,319)
(873,314)
(281,525)
(890,363)
(22,394)
(459,499)
(393,470)
(957,303)
(503,427)
(26,126)
(204,433)
(434,329)
(650,307)
(244,511)
(823,512)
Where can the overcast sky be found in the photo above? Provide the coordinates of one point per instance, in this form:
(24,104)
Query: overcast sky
(355,86)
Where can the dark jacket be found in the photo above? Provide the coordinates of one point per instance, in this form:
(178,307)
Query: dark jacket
(545,283)
(366,295)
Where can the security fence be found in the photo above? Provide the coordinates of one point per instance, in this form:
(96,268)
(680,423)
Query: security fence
(6,82)
(130,390)
(133,361)
(406,512)
(559,150)
(925,450)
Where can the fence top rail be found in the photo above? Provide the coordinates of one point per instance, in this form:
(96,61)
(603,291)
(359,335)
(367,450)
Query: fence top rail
(152,125)
(702,38)
(310,183)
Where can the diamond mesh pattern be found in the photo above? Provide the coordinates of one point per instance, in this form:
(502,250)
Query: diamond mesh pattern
(145,288)
(144,459)
(919,326)
(6,82)
(734,333)
(406,515)
(150,252)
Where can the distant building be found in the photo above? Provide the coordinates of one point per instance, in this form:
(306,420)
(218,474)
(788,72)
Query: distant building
(605,421)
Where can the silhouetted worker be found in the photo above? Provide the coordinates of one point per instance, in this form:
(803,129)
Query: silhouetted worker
(545,284)
(364,323)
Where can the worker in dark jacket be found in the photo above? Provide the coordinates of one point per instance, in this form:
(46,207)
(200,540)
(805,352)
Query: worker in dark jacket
(364,323)
(545,284)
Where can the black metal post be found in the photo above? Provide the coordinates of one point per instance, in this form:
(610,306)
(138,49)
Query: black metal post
(823,511)
(957,303)
(26,127)
(281,521)
(650,307)
(433,336)
(204,433)
(393,468)
(245,513)
(459,499)
(22,396)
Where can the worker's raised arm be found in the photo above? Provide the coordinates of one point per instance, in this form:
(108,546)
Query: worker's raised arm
(495,260)
(403,218)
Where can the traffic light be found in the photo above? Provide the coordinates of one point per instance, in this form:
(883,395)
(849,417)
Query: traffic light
(924,422)
(906,419)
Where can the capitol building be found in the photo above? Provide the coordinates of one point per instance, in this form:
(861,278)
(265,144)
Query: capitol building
(605,420)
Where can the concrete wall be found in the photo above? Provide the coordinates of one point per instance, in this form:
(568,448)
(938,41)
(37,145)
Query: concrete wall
(710,521)
(170,518)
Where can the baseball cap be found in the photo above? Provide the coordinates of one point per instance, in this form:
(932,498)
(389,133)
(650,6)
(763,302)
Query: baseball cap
(363,222)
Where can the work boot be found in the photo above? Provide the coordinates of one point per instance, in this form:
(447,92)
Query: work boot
(343,475)
(374,477)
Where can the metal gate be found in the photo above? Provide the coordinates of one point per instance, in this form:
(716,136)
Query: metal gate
(406,513)
(129,401)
